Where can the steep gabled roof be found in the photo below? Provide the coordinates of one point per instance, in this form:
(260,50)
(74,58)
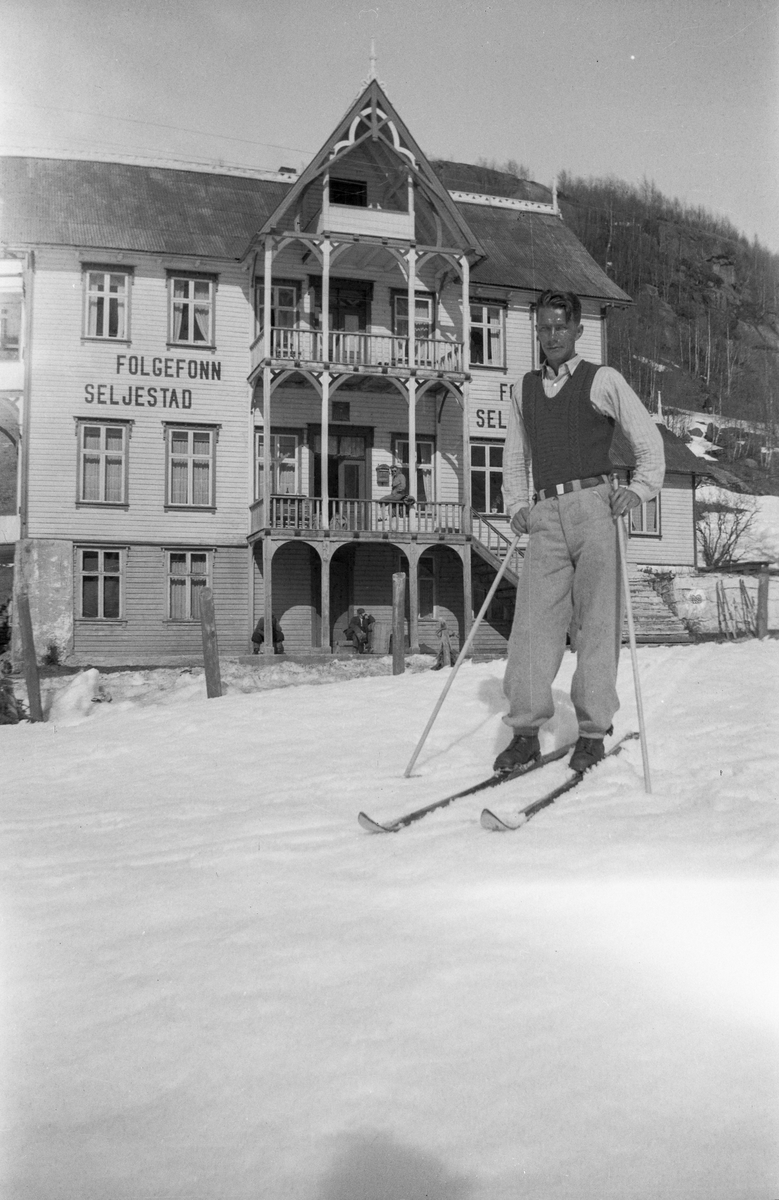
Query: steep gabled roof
(161,210)
(536,251)
(678,459)
(487,181)
(72,202)
(372,118)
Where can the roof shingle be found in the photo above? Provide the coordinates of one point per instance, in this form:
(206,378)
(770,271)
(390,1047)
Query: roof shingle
(160,210)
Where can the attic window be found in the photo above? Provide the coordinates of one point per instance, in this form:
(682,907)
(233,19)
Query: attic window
(353,192)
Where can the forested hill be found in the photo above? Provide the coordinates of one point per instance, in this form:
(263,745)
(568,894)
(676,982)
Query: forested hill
(704,327)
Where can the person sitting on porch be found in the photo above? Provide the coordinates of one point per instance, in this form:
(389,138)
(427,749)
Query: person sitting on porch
(258,637)
(399,493)
(359,630)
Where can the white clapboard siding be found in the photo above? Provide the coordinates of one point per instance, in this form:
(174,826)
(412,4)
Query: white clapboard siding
(519,341)
(145,634)
(62,366)
(590,344)
(676,544)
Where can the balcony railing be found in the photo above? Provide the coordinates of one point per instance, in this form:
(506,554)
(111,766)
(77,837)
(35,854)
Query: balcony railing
(359,349)
(305,513)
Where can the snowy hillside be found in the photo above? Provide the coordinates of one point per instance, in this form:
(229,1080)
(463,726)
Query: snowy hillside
(216,986)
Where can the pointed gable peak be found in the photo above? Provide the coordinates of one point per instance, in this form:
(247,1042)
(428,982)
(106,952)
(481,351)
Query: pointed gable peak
(372,127)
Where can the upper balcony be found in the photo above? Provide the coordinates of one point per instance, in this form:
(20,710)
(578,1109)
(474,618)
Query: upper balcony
(376,353)
(368,222)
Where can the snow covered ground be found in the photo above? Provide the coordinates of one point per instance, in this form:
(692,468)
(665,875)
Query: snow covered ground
(216,986)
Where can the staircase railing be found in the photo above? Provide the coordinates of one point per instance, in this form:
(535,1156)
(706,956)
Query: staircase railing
(498,543)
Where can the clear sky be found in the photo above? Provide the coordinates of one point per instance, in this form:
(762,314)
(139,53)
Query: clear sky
(684,93)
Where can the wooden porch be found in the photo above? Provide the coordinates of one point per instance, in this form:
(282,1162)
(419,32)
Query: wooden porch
(371,352)
(300,516)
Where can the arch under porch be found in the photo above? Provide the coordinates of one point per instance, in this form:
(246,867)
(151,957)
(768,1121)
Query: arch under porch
(315,587)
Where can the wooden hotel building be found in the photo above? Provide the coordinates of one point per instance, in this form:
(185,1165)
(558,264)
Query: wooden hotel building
(215,373)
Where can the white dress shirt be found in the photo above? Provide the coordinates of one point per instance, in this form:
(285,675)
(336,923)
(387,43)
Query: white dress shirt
(611,395)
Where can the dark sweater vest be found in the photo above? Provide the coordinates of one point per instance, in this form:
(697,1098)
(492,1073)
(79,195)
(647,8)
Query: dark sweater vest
(569,439)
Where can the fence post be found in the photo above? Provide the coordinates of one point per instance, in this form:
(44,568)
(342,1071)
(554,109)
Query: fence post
(761,622)
(210,647)
(31,676)
(398,623)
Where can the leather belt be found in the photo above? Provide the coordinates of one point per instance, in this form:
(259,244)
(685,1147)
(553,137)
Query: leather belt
(573,485)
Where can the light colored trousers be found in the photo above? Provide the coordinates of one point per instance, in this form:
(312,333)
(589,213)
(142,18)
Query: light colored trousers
(570,579)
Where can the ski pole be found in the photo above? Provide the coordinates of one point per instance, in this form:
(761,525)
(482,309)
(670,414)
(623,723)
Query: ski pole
(466,647)
(623,558)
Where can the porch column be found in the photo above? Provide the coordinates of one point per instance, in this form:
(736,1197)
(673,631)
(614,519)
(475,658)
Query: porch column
(413,555)
(325,596)
(267,645)
(465,271)
(267,590)
(412,383)
(325,418)
(467,591)
(466,302)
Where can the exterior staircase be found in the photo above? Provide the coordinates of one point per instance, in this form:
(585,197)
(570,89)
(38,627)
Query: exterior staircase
(491,544)
(655,621)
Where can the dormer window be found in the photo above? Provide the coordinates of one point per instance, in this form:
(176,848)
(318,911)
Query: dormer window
(352,192)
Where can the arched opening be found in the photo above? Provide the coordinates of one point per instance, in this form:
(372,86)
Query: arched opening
(296,591)
(441,597)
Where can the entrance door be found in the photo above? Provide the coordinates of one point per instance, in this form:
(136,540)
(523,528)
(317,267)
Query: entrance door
(351,490)
(348,321)
(351,478)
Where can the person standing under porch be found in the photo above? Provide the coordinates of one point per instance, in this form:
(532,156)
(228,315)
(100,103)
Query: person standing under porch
(556,489)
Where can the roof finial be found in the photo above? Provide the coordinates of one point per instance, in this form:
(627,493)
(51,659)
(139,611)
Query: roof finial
(372,60)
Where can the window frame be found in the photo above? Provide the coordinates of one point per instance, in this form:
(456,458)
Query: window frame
(487,470)
(193,616)
(294,285)
(106,269)
(401,439)
(428,560)
(102,575)
(357,189)
(104,424)
(643,510)
(498,363)
(259,434)
(191,277)
(170,428)
(398,295)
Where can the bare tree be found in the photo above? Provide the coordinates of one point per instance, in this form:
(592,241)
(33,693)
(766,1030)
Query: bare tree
(723,528)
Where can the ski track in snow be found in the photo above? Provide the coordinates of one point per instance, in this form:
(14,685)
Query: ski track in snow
(216,985)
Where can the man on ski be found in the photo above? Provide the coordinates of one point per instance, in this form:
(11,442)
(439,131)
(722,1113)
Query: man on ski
(556,489)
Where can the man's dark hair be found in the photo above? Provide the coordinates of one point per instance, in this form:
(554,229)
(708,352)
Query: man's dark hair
(568,301)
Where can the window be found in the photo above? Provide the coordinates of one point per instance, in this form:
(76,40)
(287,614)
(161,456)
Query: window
(100,584)
(191,310)
(283,467)
(426,586)
(423,316)
(191,462)
(487,335)
(283,312)
(487,477)
(10,326)
(106,303)
(645,519)
(425,489)
(103,462)
(353,192)
(188,573)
